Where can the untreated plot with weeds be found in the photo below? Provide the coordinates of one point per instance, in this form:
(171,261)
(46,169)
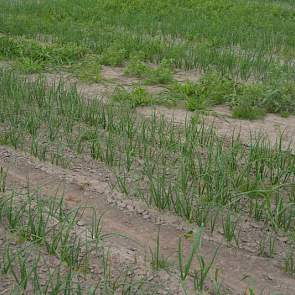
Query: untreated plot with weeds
(244,49)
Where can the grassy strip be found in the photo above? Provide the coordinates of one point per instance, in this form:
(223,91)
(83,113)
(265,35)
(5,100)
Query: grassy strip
(248,101)
(193,34)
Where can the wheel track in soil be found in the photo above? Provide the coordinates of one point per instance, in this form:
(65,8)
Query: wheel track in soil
(82,187)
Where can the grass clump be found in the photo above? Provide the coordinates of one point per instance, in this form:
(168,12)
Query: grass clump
(88,70)
(115,55)
(289,263)
(136,67)
(134,98)
(32,54)
(244,110)
(199,276)
(28,65)
(248,101)
(212,89)
(161,74)
(253,101)
(158,262)
(280,99)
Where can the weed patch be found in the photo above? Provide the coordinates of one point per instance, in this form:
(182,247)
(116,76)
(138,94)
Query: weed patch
(137,97)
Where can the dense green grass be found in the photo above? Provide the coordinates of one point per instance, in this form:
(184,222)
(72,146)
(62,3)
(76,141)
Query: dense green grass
(248,101)
(240,40)
(243,38)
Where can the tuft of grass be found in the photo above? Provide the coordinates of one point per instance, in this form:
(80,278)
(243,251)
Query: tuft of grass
(134,98)
(267,246)
(3,176)
(230,228)
(280,98)
(289,263)
(248,101)
(115,55)
(211,89)
(201,275)
(28,65)
(244,110)
(160,75)
(89,69)
(185,267)
(136,67)
(158,261)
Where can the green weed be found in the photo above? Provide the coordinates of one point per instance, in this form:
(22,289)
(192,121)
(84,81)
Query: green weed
(200,276)
(115,55)
(185,267)
(3,176)
(230,228)
(289,264)
(158,261)
(160,75)
(137,97)
(88,69)
(137,68)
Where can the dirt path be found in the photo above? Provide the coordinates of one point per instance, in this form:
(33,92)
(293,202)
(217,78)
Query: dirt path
(91,186)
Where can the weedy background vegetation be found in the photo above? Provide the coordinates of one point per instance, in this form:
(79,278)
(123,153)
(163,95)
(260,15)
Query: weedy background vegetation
(246,47)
